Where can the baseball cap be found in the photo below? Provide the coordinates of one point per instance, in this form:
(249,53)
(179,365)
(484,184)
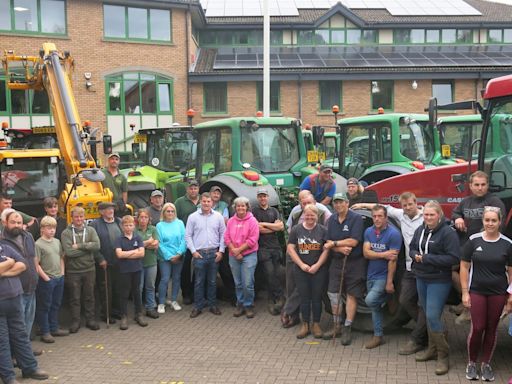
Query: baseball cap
(340,196)
(105,205)
(193,182)
(216,188)
(325,167)
(352,180)
(114,154)
(262,191)
(157,192)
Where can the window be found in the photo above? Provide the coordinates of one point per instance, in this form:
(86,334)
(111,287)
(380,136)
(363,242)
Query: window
(215,97)
(3,97)
(443,91)
(382,94)
(433,36)
(275,93)
(23,102)
(33,16)
(499,36)
(449,36)
(330,94)
(237,38)
(120,22)
(464,36)
(139,93)
(402,36)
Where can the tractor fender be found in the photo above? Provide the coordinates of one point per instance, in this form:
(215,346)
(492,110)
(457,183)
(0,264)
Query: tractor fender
(340,181)
(398,169)
(241,189)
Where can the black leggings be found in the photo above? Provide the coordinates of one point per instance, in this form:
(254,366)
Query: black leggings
(310,287)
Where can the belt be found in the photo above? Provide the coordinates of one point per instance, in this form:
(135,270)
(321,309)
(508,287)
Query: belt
(214,249)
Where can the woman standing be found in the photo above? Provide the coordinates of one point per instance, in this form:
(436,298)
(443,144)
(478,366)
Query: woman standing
(434,250)
(172,247)
(487,257)
(306,249)
(241,238)
(149,236)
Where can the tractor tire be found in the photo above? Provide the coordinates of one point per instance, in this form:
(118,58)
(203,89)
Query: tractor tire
(139,199)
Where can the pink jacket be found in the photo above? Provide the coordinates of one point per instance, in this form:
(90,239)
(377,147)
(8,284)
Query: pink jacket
(239,231)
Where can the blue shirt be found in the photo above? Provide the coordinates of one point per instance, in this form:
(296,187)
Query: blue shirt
(306,184)
(172,239)
(10,286)
(126,244)
(350,228)
(205,231)
(386,239)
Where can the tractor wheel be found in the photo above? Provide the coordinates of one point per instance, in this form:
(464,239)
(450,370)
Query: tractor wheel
(139,199)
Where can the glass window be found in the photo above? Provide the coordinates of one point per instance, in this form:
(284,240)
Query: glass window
(40,103)
(114,96)
(5,15)
(449,35)
(432,36)
(353,36)
(148,93)
(507,35)
(215,97)
(305,37)
(207,37)
(415,141)
(275,87)
(464,36)
(137,23)
(19,102)
(25,15)
(53,16)
(224,38)
(132,96)
(369,36)
(382,94)
(256,38)
(495,36)
(402,36)
(276,37)
(330,94)
(164,97)
(443,91)
(417,36)
(114,21)
(3,96)
(160,23)
(337,36)
(322,37)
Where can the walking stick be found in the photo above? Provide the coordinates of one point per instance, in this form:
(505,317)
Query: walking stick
(106,297)
(336,318)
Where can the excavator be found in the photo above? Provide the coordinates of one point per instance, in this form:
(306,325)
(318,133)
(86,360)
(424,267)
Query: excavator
(51,72)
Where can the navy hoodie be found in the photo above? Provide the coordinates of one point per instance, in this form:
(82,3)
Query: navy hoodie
(440,249)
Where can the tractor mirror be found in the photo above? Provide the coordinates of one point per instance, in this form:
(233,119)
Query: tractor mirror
(107,144)
(318,135)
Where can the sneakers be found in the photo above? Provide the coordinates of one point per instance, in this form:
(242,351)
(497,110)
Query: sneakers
(374,342)
(174,305)
(486,372)
(346,335)
(161,308)
(471,372)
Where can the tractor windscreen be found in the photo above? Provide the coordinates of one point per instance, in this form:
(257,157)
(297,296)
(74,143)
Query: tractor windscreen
(416,140)
(174,151)
(499,134)
(459,135)
(269,148)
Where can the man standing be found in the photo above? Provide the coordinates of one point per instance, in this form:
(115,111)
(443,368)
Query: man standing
(80,244)
(382,243)
(108,228)
(321,185)
(410,217)
(116,182)
(218,204)
(156,202)
(345,234)
(269,250)
(185,206)
(204,235)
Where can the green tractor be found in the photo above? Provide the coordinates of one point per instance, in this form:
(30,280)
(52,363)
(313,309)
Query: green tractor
(243,154)
(168,152)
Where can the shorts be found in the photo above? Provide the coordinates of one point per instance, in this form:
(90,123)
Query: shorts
(354,282)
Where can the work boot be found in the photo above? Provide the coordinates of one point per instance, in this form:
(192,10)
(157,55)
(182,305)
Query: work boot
(38,374)
(464,317)
(430,353)
(74,327)
(239,311)
(140,320)
(47,338)
(304,330)
(92,325)
(317,331)
(123,326)
(272,308)
(59,333)
(336,329)
(374,342)
(249,312)
(346,335)
(152,313)
(443,352)
(409,348)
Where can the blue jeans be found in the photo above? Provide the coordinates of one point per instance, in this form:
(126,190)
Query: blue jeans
(147,284)
(49,299)
(432,297)
(243,274)
(374,299)
(13,334)
(28,302)
(205,272)
(168,271)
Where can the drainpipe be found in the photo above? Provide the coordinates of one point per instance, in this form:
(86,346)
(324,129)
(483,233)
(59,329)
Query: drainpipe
(187,51)
(299,95)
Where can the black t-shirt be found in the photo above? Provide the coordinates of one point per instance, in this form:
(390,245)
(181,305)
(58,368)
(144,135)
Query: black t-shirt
(309,243)
(269,215)
(129,265)
(489,260)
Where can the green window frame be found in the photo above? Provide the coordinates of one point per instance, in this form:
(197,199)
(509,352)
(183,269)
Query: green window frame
(443,90)
(382,94)
(23,102)
(433,36)
(137,23)
(329,94)
(34,17)
(249,37)
(215,98)
(139,93)
(275,96)
(499,36)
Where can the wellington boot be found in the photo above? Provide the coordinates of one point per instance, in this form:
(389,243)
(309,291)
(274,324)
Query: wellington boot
(317,331)
(443,353)
(304,330)
(430,353)
(335,330)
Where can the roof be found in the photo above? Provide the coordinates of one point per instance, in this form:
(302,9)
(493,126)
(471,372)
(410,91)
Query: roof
(382,117)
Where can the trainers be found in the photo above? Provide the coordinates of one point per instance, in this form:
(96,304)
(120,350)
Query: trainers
(47,338)
(175,306)
(161,308)
(471,372)
(486,372)
(346,335)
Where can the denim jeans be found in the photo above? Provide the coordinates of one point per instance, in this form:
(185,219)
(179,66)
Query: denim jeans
(147,285)
(205,271)
(49,299)
(13,335)
(432,298)
(409,302)
(28,302)
(243,274)
(168,271)
(374,299)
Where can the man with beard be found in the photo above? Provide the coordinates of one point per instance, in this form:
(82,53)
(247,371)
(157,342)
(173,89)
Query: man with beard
(156,202)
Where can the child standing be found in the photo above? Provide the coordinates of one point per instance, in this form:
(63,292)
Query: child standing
(50,287)
(130,251)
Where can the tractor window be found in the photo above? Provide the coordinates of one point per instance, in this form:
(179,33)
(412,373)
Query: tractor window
(225,163)
(416,142)
(459,136)
(178,148)
(208,148)
(269,149)
(330,147)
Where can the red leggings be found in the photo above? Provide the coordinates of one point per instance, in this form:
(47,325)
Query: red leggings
(485,316)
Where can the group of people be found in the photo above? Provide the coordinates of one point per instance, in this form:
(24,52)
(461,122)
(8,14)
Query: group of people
(329,255)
